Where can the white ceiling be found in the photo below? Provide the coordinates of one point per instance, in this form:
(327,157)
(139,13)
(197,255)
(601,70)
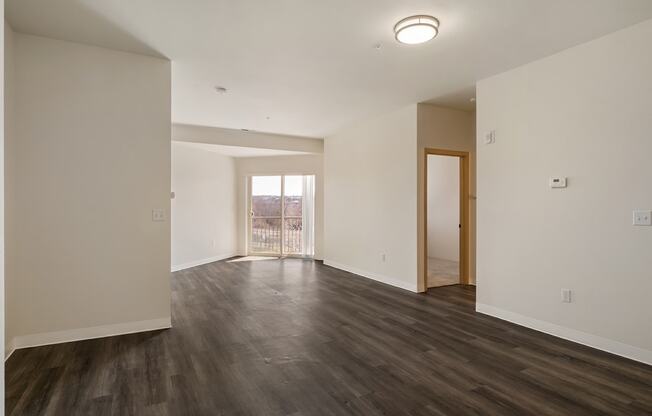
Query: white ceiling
(238,151)
(311,65)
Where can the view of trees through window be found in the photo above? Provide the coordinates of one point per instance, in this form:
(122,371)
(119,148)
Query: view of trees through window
(267,221)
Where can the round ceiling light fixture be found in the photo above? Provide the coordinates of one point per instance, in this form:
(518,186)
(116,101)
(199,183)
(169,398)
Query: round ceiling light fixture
(416,29)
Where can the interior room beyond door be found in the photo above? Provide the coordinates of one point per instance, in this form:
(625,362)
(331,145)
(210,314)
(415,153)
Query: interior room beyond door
(443,220)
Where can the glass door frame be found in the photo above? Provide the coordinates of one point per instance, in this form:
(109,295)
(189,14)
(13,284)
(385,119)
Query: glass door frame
(282,218)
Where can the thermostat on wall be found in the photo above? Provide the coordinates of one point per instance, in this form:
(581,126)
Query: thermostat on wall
(558,182)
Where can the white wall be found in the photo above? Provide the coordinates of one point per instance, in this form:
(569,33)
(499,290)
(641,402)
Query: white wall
(87,163)
(309,164)
(370,200)
(204,221)
(9,131)
(584,113)
(444,207)
(2,202)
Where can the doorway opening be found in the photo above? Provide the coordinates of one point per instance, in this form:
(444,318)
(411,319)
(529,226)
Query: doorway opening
(446,217)
(281,216)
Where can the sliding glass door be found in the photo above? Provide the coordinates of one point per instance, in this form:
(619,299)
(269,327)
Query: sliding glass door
(281,215)
(292,218)
(266,218)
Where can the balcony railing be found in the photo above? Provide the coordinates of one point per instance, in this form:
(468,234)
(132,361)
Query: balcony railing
(292,235)
(266,235)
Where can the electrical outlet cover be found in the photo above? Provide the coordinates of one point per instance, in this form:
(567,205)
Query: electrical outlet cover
(643,217)
(158,215)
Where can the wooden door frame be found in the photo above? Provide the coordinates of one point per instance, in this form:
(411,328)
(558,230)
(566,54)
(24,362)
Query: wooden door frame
(464,213)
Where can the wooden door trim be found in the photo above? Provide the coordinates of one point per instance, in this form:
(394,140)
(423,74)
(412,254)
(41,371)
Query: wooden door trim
(464,213)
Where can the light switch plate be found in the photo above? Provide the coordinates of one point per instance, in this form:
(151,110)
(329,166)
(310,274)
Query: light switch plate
(566,296)
(490,137)
(158,215)
(643,217)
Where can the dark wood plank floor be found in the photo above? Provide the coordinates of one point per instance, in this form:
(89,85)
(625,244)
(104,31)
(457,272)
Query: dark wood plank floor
(294,337)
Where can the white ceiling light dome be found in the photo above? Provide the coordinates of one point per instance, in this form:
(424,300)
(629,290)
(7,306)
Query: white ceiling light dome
(416,29)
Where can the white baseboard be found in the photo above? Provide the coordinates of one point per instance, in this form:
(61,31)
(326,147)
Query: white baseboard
(58,337)
(176,268)
(374,276)
(594,341)
(9,349)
